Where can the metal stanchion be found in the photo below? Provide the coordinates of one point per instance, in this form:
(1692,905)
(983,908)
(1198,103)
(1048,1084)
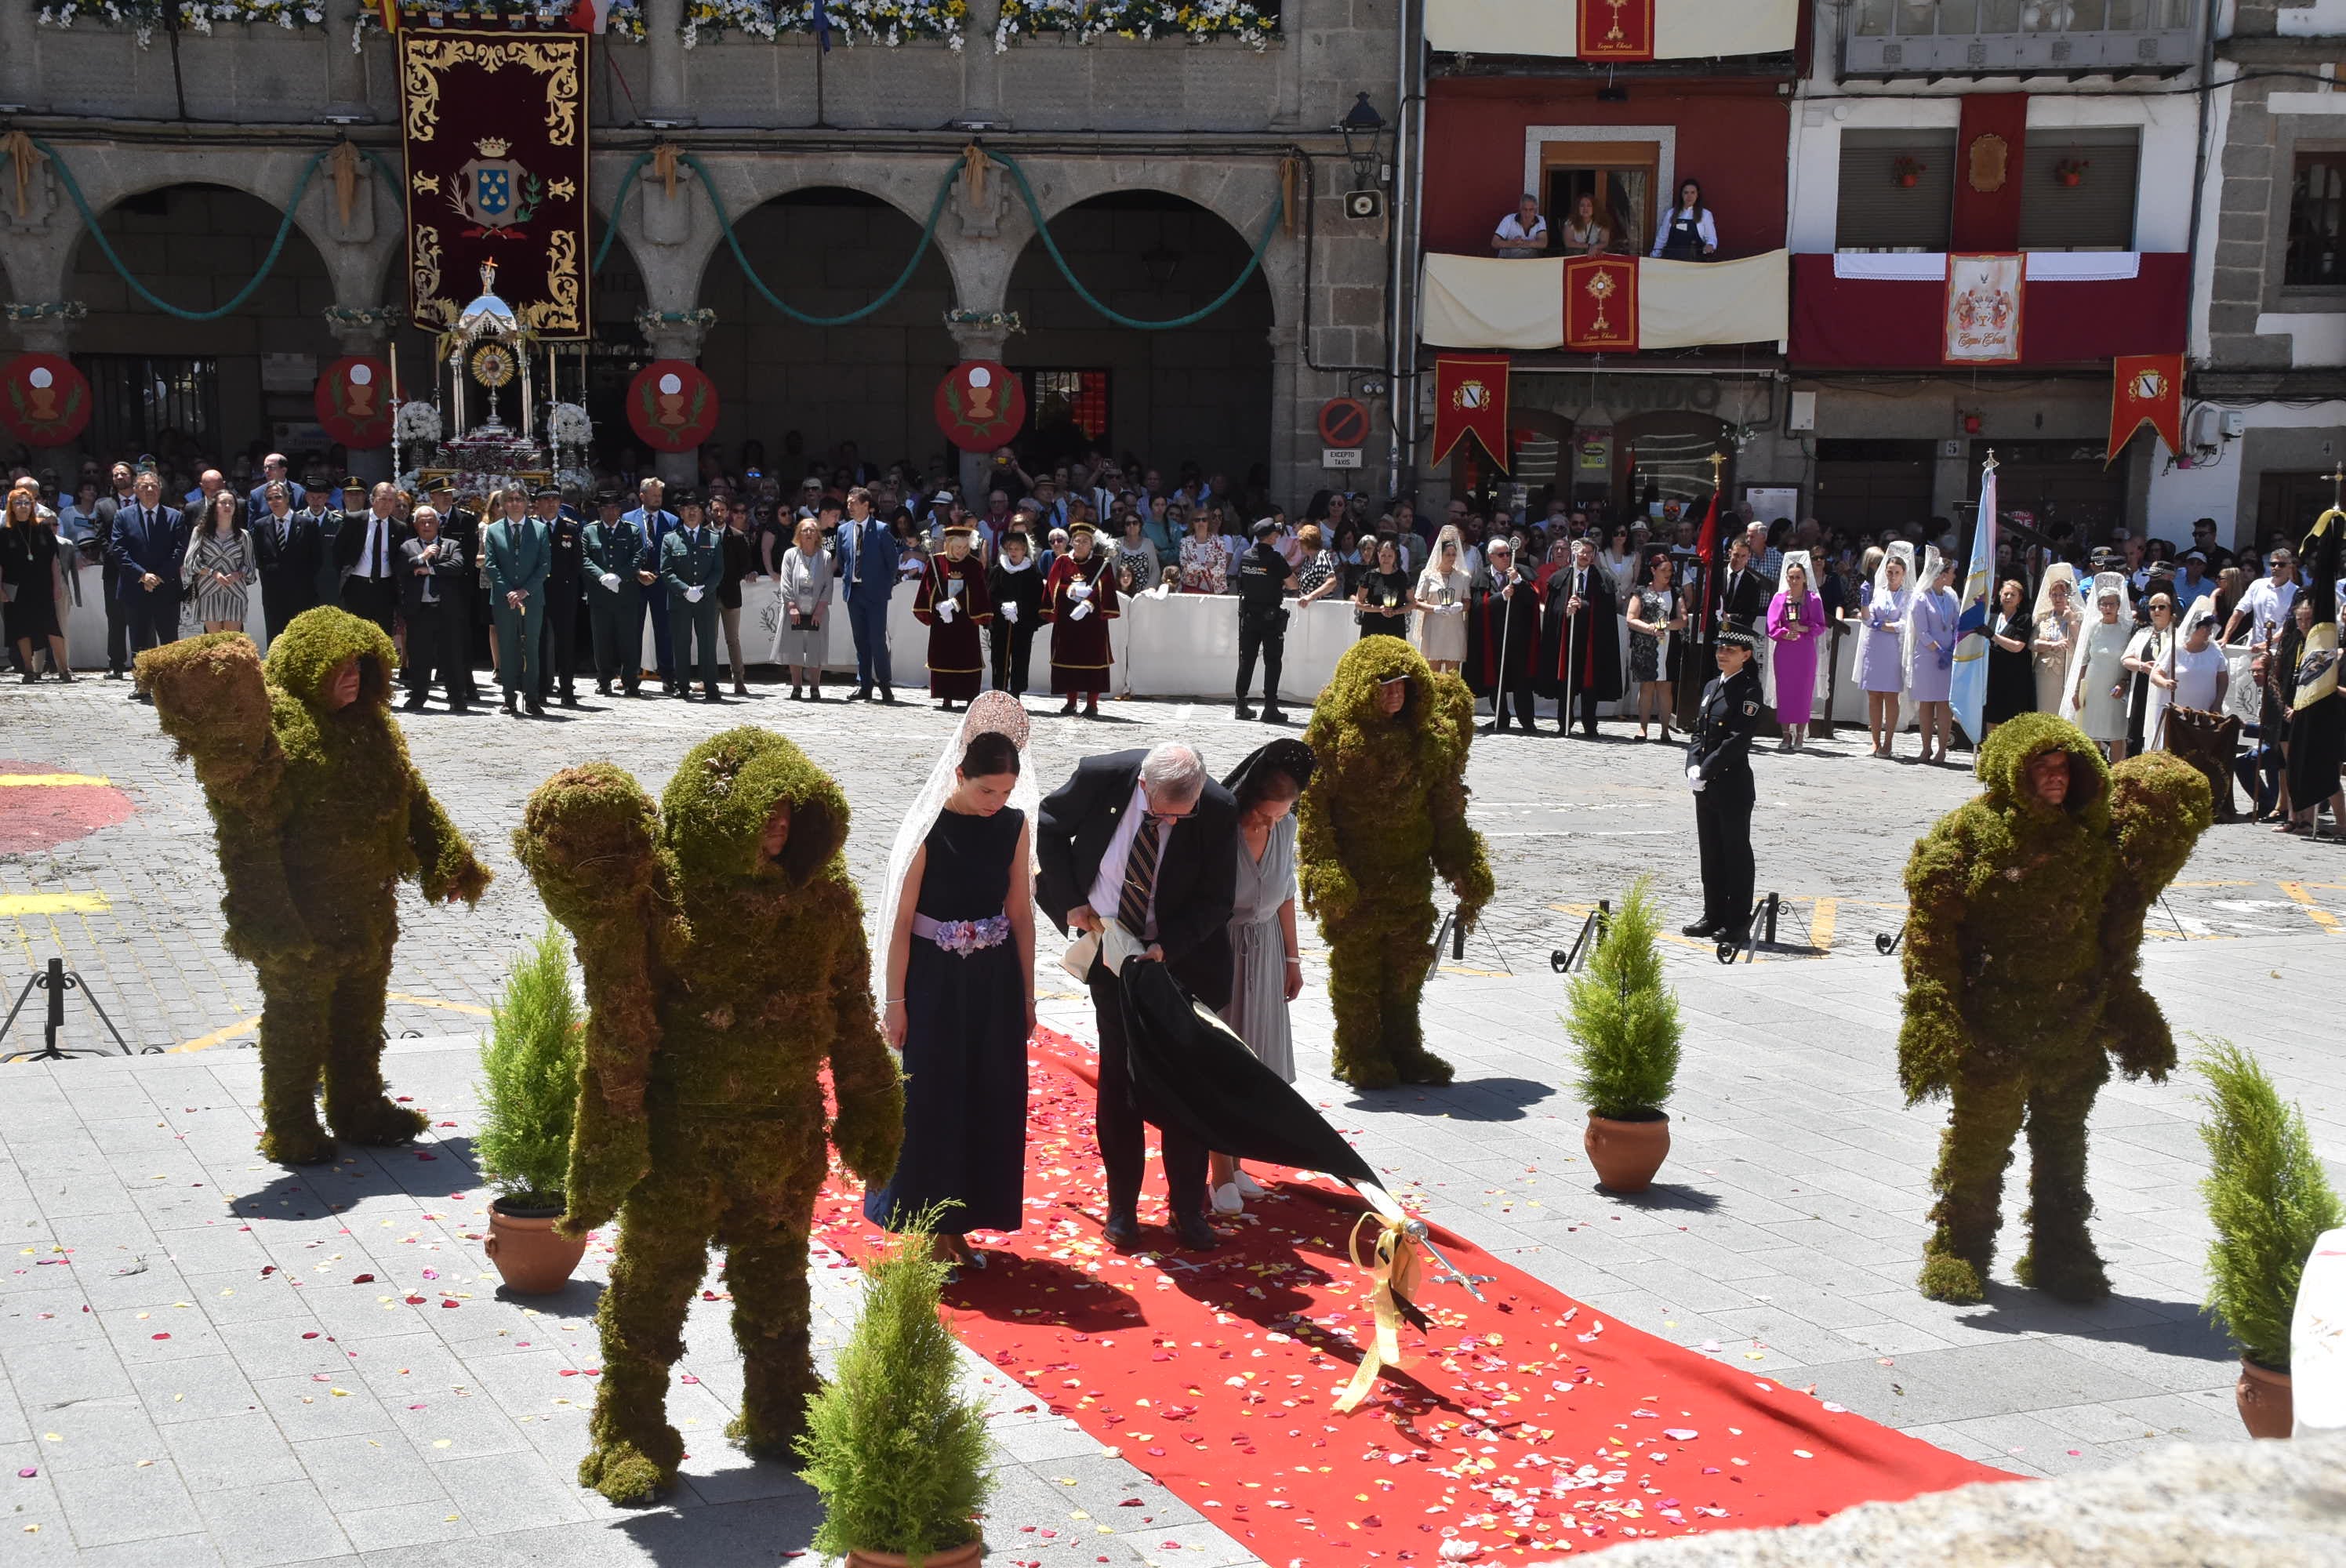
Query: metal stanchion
(1598,921)
(56,980)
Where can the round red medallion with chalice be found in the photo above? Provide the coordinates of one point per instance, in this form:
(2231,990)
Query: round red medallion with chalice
(353,401)
(981,405)
(44,401)
(672,405)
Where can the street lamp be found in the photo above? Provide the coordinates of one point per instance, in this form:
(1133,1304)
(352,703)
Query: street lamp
(1364,131)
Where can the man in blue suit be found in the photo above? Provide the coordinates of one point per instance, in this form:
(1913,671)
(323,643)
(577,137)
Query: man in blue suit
(272,472)
(867,567)
(654,524)
(147,543)
(518,556)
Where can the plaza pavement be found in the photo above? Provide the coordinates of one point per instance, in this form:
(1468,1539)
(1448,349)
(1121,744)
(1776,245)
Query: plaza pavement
(1782,1236)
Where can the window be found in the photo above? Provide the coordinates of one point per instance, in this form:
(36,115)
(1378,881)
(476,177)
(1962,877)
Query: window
(136,399)
(2317,204)
(1068,397)
(1617,176)
(1879,208)
(2078,188)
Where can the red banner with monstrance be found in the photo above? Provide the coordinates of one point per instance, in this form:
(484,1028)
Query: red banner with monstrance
(1600,304)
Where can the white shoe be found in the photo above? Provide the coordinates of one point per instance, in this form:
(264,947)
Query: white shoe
(1227,1199)
(1248,1187)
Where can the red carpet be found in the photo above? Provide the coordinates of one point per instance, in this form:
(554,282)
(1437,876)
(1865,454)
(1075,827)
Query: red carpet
(1527,1423)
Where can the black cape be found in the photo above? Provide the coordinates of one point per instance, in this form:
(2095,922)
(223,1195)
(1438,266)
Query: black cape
(1583,652)
(1500,633)
(1190,1070)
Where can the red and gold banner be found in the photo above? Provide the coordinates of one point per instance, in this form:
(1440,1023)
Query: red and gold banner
(496,131)
(1600,304)
(353,401)
(1981,313)
(980,404)
(1470,398)
(1616,29)
(44,400)
(2145,389)
(672,405)
(1991,153)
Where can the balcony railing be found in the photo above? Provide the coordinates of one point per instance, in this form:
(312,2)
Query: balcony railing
(2006,37)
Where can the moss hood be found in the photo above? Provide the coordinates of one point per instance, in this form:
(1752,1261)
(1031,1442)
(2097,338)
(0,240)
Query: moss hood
(315,641)
(713,813)
(2005,756)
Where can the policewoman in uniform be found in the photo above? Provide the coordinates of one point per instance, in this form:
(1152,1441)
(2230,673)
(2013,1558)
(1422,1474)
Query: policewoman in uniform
(1719,771)
(1264,580)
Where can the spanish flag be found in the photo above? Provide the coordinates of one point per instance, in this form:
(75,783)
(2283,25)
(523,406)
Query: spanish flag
(388,10)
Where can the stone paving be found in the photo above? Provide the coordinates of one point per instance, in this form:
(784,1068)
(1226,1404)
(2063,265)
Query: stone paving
(1783,1235)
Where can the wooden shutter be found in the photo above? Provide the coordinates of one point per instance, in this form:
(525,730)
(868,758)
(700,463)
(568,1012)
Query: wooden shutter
(2098,212)
(1876,212)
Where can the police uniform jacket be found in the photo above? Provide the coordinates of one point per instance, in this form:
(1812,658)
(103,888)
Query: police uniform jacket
(1263,572)
(1719,747)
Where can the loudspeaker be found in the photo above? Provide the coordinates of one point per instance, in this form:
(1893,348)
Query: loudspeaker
(1364,204)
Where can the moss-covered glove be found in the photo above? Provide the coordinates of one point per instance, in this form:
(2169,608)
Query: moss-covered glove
(1931,1042)
(608,1155)
(869,1133)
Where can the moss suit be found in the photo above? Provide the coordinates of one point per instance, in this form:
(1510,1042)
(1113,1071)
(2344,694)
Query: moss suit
(2025,923)
(1384,814)
(720,979)
(319,816)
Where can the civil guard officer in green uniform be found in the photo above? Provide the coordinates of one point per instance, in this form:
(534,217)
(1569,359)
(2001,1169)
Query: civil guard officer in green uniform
(1719,771)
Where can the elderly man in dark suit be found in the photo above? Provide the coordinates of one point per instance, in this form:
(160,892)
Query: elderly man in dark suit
(431,570)
(101,517)
(148,542)
(288,548)
(366,553)
(1148,841)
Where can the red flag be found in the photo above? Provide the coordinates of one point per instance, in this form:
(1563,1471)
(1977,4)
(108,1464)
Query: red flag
(388,12)
(1706,548)
(2146,388)
(1470,398)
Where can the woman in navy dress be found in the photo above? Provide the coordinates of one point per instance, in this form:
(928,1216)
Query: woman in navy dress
(959,925)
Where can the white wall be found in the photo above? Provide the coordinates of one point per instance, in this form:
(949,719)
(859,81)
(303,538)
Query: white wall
(2179,494)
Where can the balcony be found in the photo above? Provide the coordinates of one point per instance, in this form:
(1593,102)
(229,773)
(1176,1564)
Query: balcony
(1889,312)
(2019,37)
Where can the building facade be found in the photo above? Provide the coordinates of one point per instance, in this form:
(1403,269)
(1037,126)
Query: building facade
(242,251)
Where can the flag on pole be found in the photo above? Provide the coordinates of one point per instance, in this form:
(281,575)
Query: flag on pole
(822,24)
(1967,690)
(1706,549)
(590,16)
(387,11)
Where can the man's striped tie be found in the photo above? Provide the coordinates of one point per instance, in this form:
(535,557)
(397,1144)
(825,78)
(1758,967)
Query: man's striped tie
(1140,880)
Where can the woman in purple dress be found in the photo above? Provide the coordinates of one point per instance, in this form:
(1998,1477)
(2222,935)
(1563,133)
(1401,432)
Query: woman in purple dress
(1931,655)
(1796,628)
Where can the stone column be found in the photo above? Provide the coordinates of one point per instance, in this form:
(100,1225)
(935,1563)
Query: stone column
(665,97)
(981,337)
(345,69)
(20,57)
(981,67)
(46,326)
(672,339)
(1292,409)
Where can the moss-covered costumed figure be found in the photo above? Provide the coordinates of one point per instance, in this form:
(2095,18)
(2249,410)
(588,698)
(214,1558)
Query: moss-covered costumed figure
(320,816)
(725,964)
(2026,921)
(1385,813)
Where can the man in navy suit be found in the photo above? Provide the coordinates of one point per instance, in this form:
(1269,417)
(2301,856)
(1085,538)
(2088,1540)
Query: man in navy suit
(867,569)
(149,541)
(272,472)
(652,526)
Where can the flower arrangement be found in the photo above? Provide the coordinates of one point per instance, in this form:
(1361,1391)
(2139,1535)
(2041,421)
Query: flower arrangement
(2072,171)
(1906,169)
(625,21)
(1251,22)
(852,22)
(145,16)
(417,421)
(567,424)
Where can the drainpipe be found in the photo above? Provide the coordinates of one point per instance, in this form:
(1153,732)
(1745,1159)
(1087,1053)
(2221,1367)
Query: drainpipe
(1416,104)
(1397,281)
(2199,167)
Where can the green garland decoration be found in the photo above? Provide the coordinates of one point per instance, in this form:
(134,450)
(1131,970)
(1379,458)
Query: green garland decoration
(2024,921)
(268,263)
(1384,814)
(319,814)
(720,982)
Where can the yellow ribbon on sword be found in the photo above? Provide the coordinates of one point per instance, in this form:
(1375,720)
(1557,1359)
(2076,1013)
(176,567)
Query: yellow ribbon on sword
(1394,1266)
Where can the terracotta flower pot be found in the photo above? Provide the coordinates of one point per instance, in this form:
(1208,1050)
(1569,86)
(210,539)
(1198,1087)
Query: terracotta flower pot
(954,1557)
(1627,1153)
(1908,180)
(532,1259)
(2267,1408)
(2069,179)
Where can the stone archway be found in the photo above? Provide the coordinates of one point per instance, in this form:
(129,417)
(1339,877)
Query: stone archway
(211,388)
(1203,392)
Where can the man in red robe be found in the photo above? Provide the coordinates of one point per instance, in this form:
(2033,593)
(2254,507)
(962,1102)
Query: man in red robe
(1079,602)
(952,602)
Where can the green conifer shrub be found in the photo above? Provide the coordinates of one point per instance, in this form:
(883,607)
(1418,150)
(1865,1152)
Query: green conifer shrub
(2267,1197)
(896,1451)
(1624,1022)
(529,1070)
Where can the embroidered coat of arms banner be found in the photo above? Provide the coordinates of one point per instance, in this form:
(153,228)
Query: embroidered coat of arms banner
(495,127)
(1983,309)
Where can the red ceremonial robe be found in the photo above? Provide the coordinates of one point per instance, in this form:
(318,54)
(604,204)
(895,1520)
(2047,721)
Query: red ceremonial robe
(957,650)
(1080,659)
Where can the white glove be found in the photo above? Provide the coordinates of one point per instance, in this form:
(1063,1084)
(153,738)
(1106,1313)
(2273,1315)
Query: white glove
(945,608)
(1695,780)
(692,594)
(1010,613)
(1083,607)
(610,581)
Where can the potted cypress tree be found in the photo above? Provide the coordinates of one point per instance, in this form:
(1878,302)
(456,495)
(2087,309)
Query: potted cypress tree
(2268,1200)
(1624,1023)
(898,1454)
(529,1091)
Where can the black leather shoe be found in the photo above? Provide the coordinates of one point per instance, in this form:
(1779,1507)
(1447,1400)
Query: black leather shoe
(1705,927)
(1244,712)
(1122,1232)
(1274,715)
(1196,1235)
(536,708)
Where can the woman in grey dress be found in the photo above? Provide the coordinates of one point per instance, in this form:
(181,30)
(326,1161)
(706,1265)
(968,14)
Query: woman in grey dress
(219,567)
(1266,966)
(799,600)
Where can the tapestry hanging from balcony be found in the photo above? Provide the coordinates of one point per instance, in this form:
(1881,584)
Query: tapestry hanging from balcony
(495,127)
